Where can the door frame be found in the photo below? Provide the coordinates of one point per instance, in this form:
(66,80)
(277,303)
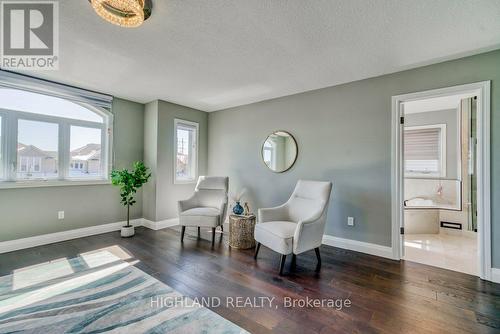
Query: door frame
(482,91)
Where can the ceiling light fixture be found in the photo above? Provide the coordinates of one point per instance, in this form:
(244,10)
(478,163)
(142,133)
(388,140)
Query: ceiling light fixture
(125,13)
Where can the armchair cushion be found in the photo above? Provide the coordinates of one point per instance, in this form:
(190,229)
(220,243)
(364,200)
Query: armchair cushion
(203,217)
(210,212)
(277,235)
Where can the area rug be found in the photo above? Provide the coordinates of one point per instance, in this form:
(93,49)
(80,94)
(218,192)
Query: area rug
(99,293)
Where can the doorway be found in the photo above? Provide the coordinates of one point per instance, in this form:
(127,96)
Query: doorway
(440,178)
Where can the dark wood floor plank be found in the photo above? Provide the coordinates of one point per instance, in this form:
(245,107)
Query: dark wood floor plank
(387,296)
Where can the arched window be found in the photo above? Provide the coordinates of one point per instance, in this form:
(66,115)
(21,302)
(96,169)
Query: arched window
(50,138)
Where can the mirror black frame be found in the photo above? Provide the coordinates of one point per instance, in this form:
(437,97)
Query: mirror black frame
(296,153)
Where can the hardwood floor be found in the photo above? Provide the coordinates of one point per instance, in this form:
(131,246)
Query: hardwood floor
(387,296)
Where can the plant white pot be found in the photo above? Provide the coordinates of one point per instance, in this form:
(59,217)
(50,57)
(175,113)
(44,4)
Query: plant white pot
(127,232)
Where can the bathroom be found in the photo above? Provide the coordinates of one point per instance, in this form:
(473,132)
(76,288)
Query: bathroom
(440,207)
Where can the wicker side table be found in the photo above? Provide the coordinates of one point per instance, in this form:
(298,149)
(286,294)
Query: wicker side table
(241,231)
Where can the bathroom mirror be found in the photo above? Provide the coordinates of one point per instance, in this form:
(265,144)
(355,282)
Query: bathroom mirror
(279,151)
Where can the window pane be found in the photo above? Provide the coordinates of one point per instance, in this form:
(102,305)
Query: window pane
(85,155)
(20,100)
(37,150)
(186,152)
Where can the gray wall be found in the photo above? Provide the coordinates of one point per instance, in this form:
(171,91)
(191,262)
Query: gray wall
(450,118)
(150,159)
(33,211)
(163,190)
(344,135)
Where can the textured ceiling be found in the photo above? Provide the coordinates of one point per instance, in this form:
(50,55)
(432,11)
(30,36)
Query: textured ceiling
(216,54)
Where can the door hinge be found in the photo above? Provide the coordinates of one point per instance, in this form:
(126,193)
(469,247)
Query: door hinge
(402,230)
(402,120)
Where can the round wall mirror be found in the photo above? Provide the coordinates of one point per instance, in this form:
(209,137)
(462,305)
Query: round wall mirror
(279,151)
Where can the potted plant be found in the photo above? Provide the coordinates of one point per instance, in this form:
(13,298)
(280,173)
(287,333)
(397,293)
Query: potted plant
(129,182)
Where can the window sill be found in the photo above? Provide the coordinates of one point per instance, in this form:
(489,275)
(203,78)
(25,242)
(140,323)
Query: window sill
(424,176)
(50,183)
(179,182)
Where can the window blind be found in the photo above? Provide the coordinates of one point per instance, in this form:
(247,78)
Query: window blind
(40,86)
(422,150)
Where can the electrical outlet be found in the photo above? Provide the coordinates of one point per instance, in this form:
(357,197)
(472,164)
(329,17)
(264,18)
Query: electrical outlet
(60,215)
(350,221)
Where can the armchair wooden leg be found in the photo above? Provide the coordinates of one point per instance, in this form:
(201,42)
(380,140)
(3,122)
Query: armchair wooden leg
(318,256)
(213,236)
(183,230)
(282,264)
(198,232)
(257,247)
(294,261)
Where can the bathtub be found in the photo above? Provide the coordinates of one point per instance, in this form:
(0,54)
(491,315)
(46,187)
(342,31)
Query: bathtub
(421,221)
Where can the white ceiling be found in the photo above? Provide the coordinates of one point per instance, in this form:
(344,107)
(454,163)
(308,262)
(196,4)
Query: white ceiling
(217,54)
(434,104)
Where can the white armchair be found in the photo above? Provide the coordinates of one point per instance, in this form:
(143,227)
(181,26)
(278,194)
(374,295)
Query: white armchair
(298,225)
(207,207)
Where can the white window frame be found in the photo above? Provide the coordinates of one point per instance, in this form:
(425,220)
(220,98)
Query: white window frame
(3,148)
(442,152)
(10,140)
(195,125)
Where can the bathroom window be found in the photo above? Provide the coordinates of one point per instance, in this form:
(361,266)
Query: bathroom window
(186,151)
(425,150)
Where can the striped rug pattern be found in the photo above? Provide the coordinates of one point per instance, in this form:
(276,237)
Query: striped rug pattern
(99,293)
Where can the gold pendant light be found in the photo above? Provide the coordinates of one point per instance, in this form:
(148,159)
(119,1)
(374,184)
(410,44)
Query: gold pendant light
(125,13)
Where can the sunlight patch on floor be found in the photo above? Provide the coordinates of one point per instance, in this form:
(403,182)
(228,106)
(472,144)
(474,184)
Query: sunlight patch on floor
(42,272)
(35,296)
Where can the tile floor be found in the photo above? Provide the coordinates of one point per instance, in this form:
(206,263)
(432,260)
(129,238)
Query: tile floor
(454,252)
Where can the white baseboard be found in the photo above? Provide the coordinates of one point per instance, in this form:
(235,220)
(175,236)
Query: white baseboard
(160,224)
(495,275)
(358,246)
(44,239)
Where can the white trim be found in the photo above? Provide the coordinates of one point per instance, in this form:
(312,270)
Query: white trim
(44,239)
(358,246)
(495,275)
(160,224)
(50,238)
(196,125)
(51,183)
(482,91)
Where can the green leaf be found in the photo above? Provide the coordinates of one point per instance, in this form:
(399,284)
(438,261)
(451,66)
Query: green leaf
(130,181)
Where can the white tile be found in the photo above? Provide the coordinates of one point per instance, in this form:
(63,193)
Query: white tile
(454,252)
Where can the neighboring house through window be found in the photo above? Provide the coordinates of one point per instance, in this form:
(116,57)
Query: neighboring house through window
(186,151)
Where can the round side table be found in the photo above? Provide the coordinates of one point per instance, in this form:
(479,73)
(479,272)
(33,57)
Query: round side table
(241,231)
